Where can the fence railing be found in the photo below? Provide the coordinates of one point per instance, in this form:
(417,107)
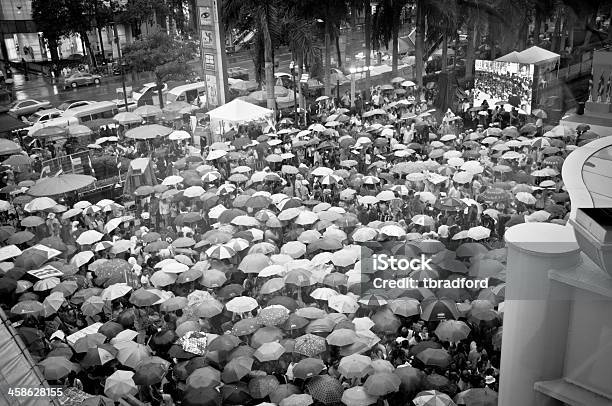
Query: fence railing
(568,73)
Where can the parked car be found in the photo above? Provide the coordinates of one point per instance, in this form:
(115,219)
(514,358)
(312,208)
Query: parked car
(29,106)
(72,103)
(44,115)
(81,78)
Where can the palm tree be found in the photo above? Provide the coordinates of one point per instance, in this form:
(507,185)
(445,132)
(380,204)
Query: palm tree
(262,13)
(334,12)
(432,14)
(386,25)
(476,14)
(300,34)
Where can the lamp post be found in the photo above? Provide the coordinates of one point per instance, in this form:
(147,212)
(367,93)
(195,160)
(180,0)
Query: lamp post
(295,85)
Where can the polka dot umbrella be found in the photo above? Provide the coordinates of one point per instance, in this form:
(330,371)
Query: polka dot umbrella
(310,345)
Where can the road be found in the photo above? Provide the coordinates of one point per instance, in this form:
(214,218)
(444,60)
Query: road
(39,87)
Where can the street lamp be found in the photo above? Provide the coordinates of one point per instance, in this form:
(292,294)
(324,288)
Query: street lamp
(295,85)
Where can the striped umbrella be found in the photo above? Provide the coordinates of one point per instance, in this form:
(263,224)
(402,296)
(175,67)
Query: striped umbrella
(432,398)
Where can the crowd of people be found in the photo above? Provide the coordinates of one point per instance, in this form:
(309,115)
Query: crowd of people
(236,277)
(496,86)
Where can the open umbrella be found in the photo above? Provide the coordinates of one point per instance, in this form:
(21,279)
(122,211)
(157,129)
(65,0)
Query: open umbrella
(325,389)
(432,398)
(358,396)
(120,384)
(60,184)
(452,330)
(54,368)
(382,383)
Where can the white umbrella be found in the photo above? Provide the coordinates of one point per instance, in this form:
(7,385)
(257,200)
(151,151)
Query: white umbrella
(115,291)
(89,237)
(172,180)
(179,135)
(216,154)
(241,304)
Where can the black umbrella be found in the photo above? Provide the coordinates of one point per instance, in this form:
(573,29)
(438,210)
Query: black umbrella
(201,397)
(110,329)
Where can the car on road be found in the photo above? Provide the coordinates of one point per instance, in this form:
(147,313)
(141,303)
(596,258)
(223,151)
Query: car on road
(73,103)
(44,115)
(29,106)
(80,79)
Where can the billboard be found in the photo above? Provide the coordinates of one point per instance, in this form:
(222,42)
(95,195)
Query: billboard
(509,82)
(212,48)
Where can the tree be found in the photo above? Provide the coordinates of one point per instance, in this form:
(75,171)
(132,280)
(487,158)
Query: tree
(52,19)
(333,13)
(165,55)
(386,25)
(299,33)
(262,14)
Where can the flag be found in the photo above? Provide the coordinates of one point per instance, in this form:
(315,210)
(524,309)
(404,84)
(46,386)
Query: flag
(59,173)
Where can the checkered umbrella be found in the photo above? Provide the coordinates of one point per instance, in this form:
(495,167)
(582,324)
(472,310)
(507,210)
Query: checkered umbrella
(325,389)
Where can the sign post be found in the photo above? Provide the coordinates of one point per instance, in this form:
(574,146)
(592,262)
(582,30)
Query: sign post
(212,51)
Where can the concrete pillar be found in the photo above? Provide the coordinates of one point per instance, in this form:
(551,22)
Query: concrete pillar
(536,312)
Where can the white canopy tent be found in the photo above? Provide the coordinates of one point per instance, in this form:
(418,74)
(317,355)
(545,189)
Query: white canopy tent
(239,111)
(537,56)
(511,57)
(533,55)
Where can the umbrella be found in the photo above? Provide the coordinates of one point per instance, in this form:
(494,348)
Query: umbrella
(120,384)
(477,397)
(148,132)
(358,396)
(432,309)
(241,304)
(236,369)
(325,389)
(99,355)
(270,351)
(432,398)
(131,353)
(208,396)
(27,307)
(151,371)
(452,330)
(310,345)
(262,386)
(355,366)
(60,184)
(89,237)
(54,368)
(382,383)
(308,367)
